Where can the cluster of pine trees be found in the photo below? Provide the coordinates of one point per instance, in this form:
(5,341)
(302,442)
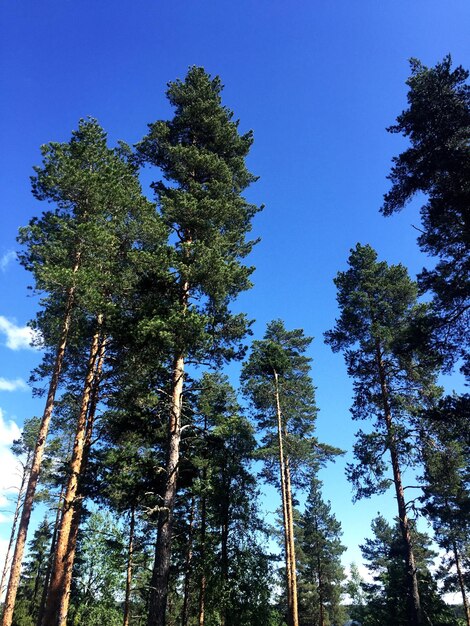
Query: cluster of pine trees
(145,458)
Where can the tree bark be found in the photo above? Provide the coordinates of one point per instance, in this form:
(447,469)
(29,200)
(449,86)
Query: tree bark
(52,613)
(203,584)
(19,503)
(415,611)
(15,571)
(130,565)
(293,564)
(285,509)
(224,548)
(188,567)
(461,582)
(78,501)
(161,569)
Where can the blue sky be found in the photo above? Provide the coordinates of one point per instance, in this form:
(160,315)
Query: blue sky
(318,82)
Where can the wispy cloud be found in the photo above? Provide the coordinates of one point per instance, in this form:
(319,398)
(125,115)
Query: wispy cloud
(17,337)
(6,259)
(12,385)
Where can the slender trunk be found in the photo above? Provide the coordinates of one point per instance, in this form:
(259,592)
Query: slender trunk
(188,566)
(36,461)
(130,565)
(19,503)
(321,620)
(58,571)
(161,569)
(285,513)
(202,588)
(293,566)
(78,501)
(50,559)
(415,611)
(224,551)
(461,582)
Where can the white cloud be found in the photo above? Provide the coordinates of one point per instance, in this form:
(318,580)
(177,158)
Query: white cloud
(12,385)
(10,476)
(6,259)
(17,337)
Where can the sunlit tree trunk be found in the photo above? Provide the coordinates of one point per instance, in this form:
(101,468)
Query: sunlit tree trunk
(56,587)
(16,515)
(78,503)
(15,571)
(291,603)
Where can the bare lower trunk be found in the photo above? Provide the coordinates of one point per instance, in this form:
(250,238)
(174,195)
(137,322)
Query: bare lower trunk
(461,582)
(293,564)
(188,567)
(161,569)
(19,503)
(415,611)
(15,571)
(203,584)
(224,553)
(130,565)
(285,508)
(78,502)
(58,570)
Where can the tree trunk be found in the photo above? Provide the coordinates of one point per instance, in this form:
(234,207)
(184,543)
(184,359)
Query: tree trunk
(293,564)
(202,588)
(58,570)
(161,569)
(416,618)
(15,571)
(224,550)
(285,510)
(461,582)
(19,503)
(130,564)
(77,504)
(188,567)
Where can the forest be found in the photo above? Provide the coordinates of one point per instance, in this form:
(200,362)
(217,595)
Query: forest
(149,459)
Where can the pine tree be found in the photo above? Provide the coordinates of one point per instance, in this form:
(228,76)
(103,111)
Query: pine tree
(446,487)
(202,155)
(277,382)
(391,383)
(321,572)
(386,554)
(73,252)
(437,123)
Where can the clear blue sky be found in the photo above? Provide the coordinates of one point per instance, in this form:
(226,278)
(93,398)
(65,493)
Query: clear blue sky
(318,82)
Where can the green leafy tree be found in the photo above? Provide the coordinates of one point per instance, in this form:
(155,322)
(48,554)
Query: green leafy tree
(33,577)
(437,163)
(446,487)
(99,573)
(386,556)
(202,156)
(392,383)
(320,570)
